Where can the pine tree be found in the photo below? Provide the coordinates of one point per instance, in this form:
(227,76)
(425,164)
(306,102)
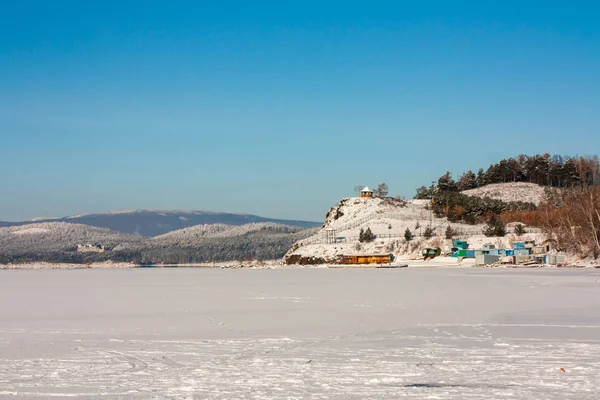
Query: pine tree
(368,235)
(425,192)
(446,183)
(450,232)
(495,227)
(481,181)
(361,235)
(467,181)
(407,235)
(428,233)
(519,230)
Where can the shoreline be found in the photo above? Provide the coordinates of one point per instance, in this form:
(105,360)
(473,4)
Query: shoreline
(403,264)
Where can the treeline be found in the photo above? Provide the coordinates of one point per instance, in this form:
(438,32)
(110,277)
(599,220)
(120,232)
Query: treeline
(458,207)
(253,246)
(66,256)
(205,250)
(57,243)
(571,217)
(555,171)
(259,241)
(551,171)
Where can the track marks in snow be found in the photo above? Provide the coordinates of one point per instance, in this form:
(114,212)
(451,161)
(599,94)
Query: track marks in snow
(137,365)
(384,364)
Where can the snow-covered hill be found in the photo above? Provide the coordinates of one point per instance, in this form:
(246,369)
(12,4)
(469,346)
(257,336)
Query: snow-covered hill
(151,223)
(511,191)
(53,236)
(57,242)
(388,219)
(199,232)
(208,243)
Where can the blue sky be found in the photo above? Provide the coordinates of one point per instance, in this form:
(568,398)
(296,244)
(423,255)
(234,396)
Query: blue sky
(280,108)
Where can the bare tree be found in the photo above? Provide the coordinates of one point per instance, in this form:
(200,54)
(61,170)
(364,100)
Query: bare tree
(576,222)
(382,190)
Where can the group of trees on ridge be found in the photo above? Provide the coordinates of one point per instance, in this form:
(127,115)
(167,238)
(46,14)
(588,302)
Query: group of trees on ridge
(458,207)
(554,171)
(570,213)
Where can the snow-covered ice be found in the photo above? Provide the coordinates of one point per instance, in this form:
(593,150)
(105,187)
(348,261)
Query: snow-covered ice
(300,333)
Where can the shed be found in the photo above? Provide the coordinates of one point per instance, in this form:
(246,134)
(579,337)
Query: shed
(366,192)
(368,259)
(431,252)
(550,245)
(461,244)
(522,259)
(539,250)
(556,259)
(521,252)
(485,259)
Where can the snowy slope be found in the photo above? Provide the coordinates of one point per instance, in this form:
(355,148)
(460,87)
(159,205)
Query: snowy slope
(223,231)
(209,243)
(57,242)
(511,191)
(49,236)
(388,219)
(152,223)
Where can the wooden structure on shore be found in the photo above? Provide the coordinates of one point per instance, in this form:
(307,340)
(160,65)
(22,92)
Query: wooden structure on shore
(368,259)
(90,248)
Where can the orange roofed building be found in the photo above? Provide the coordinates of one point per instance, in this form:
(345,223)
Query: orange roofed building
(366,192)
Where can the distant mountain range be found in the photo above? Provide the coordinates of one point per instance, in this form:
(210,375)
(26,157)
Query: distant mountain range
(152,223)
(58,242)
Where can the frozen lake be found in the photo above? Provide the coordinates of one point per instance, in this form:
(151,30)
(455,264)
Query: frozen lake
(300,333)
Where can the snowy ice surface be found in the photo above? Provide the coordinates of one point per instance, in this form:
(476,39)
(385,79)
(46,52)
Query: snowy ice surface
(300,333)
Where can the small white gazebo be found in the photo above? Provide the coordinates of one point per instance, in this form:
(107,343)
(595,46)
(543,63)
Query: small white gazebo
(366,192)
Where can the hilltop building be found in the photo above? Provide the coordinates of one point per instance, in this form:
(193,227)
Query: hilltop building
(90,248)
(366,192)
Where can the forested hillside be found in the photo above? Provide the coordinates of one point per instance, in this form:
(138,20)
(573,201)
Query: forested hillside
(57,242)
(569,211)
(546,170)
(150,223)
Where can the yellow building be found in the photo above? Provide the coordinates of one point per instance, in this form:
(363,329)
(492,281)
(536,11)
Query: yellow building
(368,259)
(366,192)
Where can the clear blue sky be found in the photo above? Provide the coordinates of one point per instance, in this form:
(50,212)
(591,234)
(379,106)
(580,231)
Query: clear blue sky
(280,108)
